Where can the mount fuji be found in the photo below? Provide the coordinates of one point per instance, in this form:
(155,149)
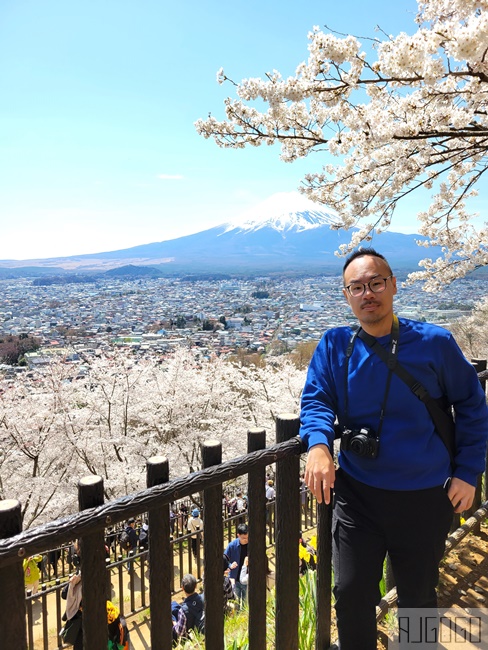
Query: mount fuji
(284,212)
(285,233)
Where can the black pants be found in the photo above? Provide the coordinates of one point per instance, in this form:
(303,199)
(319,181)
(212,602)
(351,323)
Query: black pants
(369,522)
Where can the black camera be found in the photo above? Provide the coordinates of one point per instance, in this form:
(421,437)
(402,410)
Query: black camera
(363,442)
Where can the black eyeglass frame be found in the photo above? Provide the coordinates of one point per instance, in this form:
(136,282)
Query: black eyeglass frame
(368,284)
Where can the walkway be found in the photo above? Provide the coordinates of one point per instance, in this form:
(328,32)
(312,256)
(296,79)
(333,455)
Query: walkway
(139,624)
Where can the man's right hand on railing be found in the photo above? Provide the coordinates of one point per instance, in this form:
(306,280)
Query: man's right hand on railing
(320,472)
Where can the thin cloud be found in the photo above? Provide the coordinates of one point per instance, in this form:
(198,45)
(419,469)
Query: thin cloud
(170,177)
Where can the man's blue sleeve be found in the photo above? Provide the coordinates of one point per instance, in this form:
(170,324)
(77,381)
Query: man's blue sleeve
(465,393)
(319,399)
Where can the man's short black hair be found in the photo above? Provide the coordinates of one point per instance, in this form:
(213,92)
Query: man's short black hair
(242,529)
(189,583)
(361,252)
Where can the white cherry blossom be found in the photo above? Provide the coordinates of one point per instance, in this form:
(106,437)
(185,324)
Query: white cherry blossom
(416,116)
(55,429)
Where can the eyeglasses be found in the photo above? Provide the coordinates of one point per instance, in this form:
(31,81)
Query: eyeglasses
(376,285)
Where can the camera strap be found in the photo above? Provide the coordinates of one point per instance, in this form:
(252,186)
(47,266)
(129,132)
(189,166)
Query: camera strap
(439,411)
(390,359)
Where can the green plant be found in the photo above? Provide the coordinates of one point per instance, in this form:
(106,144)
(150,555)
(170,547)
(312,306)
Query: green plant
(236,631)
(236,645)
(236,626)
(308,602)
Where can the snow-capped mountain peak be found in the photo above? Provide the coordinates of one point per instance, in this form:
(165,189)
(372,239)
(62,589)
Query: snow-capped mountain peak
(283,211)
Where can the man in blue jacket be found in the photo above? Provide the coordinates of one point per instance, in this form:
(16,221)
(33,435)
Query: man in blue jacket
(395,490)
(236,553)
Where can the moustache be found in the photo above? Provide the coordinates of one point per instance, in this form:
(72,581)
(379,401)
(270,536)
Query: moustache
(366,303)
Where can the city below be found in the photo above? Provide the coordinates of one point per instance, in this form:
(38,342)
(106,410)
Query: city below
(269,315)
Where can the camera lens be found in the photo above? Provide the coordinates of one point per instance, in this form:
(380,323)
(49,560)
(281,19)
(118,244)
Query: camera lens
(357,445)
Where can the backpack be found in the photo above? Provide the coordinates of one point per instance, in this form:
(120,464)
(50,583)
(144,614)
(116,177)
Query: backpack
(124,540)
(195,615)
(143,537)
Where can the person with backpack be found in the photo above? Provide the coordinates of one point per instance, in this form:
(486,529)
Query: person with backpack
(128,540)
(72,631)
(191,613)
(32,573)
(195,526)
(144,536)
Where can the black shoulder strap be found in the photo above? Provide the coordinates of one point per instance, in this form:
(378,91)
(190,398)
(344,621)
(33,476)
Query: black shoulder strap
(443,421)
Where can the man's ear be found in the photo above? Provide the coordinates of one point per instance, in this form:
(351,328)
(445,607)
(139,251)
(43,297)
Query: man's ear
(346,295)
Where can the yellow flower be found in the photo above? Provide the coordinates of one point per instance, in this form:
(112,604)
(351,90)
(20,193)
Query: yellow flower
(112,612)
(303,554)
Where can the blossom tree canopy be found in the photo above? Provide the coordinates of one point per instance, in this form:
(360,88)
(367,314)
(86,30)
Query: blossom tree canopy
(56,428)
(414,118)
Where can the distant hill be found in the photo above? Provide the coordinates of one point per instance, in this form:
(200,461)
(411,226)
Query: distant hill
(81,278)
(9,273)
(130,271)
(285,234)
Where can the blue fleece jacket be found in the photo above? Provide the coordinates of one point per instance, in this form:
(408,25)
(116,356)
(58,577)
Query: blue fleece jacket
(233,552)
(411,455)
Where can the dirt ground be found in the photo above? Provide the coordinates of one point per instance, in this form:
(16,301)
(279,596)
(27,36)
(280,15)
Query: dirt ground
(464,573)
(463,576)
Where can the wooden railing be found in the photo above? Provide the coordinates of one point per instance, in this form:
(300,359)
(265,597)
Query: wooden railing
(95,516)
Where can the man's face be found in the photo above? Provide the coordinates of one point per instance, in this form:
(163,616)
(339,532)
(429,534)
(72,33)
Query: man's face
(243,539)
(373,310)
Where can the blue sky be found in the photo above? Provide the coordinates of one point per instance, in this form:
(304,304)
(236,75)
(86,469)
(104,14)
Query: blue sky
(98,98)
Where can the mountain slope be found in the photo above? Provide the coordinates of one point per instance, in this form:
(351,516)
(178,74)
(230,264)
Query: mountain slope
(285,211)
(287,232)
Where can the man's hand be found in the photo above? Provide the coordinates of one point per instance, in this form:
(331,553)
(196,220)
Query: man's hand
(461,494)
(320,472)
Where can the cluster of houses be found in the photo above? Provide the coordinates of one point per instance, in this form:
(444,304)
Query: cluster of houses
(268,314)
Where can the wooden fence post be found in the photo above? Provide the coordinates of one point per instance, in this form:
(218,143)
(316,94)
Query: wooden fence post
(12,591)
(324,576)
(213,534)
(287,536)
(95,631)
(256,439)
(160,560)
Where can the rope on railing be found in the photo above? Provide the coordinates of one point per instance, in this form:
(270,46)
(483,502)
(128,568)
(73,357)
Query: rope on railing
(452,541)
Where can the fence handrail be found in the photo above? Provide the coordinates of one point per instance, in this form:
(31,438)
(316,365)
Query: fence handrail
(89,526)
(63,530)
